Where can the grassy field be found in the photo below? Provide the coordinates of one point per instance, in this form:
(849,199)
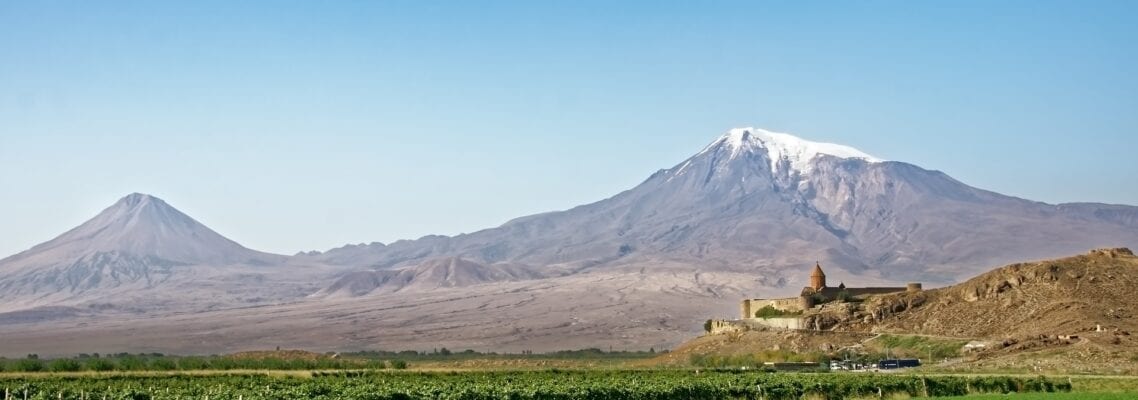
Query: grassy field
(534,385)
(1047,396)
(562,377)
(913,346)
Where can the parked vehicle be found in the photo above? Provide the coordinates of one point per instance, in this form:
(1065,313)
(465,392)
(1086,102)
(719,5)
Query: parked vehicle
(898,363)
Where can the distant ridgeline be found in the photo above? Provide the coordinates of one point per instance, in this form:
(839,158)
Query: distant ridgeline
(785,313)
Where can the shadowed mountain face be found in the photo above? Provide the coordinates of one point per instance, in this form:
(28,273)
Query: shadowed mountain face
(754,199)
(139,242)
(438,273)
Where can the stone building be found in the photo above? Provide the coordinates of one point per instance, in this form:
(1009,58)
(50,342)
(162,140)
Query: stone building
(816,293)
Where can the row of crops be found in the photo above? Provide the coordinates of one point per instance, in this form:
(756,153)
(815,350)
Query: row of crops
(560,385)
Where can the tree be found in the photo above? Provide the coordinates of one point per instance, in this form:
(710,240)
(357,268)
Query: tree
(707,326)
(29,365)
(131,363)
(64,365)
(163,364)
(100,364)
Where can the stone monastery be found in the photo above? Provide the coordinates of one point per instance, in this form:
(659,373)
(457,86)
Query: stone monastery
(816,293)
(790,309)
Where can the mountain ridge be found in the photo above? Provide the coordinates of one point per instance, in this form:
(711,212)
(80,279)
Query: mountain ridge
(845,205)
(644,266)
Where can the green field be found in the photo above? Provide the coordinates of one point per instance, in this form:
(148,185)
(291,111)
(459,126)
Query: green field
(1047,396)
(547,384)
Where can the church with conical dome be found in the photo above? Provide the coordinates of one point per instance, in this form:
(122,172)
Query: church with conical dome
(817,293)
(818,278)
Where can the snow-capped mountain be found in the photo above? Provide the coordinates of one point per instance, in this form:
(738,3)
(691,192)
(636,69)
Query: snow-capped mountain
(759,200)
(745,216)
(787,153)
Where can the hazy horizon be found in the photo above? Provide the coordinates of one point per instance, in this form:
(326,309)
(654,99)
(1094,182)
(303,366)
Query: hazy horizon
(304,127)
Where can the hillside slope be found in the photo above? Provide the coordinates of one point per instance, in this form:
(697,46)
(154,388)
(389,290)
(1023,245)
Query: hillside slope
(1056,297)
(1068,315)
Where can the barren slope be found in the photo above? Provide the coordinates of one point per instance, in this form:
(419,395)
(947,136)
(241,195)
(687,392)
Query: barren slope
(1055,297)
(625,310)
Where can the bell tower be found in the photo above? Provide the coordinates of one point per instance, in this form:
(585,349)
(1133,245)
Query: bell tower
(817,278)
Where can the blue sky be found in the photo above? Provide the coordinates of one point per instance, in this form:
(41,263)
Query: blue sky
(293,126)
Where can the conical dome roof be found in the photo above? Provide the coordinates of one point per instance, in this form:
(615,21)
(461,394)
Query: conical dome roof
(817,270)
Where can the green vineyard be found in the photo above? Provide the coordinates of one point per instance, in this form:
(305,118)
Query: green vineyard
(553,384)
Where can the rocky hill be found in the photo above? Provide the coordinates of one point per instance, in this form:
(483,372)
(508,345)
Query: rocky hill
(1067,296)
(1073,314)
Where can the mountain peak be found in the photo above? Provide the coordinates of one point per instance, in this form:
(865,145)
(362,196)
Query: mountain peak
(137,200)
(141,210)
(136,197)
(780,147)
(141,225)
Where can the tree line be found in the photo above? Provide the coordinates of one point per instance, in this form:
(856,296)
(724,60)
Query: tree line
(160,362)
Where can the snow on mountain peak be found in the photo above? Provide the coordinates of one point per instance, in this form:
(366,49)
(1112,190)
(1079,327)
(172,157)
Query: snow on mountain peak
(796,151)
(134,199)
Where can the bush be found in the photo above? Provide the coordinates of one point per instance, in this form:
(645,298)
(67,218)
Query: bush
(769,311)
(28,365)
(163,364)
(920,346)
(398,364)
(193,363)
(64,365)
(132,363)
(100,365)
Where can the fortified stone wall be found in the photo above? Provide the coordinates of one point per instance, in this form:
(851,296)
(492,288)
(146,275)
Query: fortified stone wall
(748,307)
(874,290)
(720,326)
(778,323)
(806,301)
